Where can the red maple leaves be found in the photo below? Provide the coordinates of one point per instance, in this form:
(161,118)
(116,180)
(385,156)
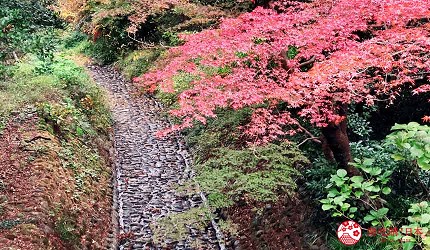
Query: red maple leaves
(347,51)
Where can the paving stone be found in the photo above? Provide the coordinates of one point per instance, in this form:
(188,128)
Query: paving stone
(148,168)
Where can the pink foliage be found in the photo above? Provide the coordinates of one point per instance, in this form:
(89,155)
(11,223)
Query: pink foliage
(348,51)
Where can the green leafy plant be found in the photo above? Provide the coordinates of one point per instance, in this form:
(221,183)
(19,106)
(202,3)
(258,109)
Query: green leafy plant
(413,143)
(347,196)
(26,27)
(419,234)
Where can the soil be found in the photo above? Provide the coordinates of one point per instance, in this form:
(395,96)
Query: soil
(285,225)
(37,206)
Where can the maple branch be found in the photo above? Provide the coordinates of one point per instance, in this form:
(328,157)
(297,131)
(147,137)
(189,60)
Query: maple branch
(420,75)
(308,62)
(315,139)
(312,137)
(363,96)
(147,45)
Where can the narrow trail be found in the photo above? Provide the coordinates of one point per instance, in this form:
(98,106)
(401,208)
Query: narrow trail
(148,169)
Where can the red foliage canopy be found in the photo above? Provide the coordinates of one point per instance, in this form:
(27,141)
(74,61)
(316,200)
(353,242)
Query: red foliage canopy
(347,51)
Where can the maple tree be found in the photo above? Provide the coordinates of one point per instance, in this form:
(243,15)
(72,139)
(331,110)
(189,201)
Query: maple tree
(177,14)
(312,59)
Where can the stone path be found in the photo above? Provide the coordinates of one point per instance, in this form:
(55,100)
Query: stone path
(147,168)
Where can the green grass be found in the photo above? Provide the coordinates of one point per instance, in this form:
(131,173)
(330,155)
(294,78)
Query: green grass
(62,83)
(25,87)
(138,62)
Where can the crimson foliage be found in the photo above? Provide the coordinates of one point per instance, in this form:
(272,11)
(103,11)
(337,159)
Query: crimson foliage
(313,58)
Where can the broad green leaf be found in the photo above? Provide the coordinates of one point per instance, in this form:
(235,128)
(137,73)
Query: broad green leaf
(375,171)
(353,209)
(423,163)
(368,218)
(397,157)
(426,243)
(386,190)
(368,162)
(367,184)
(414,125)
(333,193)
(425,218)
(357,179)
(407,244)
(325,201)
(398,126)
(387,223)
(345,206)
(424,204)
(416,152)
(338,180)
(326,207)
(338,200)
(376,188)
(356,185)
(358,194)
(341,173)
(382,211)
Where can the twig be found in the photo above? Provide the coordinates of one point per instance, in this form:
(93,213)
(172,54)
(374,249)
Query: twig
(15,56)
(315,139)
(148,45)
(312,137)
(310,61)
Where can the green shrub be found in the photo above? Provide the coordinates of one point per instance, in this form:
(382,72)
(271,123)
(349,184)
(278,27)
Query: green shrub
(26,87)
(26,26)
(349,196)
(413,143)
(87,96)
(419,227)
(221,131)
(74,39)
(66,229)
(259,174)
(138,62)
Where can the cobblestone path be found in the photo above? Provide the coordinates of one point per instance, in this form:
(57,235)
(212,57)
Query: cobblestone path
(147,168)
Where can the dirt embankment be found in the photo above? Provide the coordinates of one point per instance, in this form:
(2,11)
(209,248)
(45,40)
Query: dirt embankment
(46,202)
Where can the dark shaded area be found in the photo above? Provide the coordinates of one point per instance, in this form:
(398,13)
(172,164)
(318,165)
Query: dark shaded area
(363,35)
(406,108)
(231,5)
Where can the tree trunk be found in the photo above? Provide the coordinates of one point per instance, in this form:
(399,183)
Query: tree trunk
(337,140)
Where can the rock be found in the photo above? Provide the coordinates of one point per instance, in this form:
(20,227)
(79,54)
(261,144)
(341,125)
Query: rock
(147,168)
